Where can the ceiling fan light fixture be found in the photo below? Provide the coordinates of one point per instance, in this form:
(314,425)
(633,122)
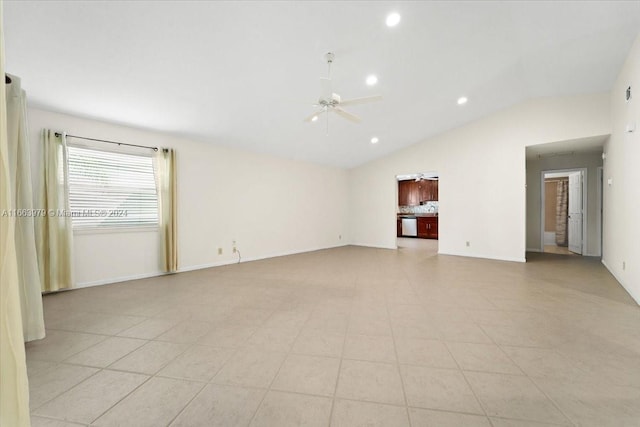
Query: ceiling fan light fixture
(393,19)
(372,80)
(374,140)
(462,100)
(331,102)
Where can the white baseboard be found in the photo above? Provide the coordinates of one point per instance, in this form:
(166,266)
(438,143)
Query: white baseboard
(195,267)
(367,245)
(279,254)
(448,253)
(510,259)
(203,266)
(637,300)
(117,280)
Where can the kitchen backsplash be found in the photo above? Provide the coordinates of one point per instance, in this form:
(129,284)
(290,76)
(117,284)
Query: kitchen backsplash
(428,207)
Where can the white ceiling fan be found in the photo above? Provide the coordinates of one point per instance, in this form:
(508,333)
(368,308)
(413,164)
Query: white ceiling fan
(332,102)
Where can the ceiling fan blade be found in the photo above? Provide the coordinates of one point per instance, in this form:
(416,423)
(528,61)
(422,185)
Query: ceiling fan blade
(316,114)
(364,100)
(325,88)
(352,117)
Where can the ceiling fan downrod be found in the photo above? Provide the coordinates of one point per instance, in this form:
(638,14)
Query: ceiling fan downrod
(329,56)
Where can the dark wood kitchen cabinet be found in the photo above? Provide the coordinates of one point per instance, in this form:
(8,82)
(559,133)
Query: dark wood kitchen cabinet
(399,227)
(428,190)
(411,193)
(403,193)
(408,193)
(428,227)
(433,230)
(434,190)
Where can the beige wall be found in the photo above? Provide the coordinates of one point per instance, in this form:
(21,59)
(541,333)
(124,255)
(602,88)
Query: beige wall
(590,161)
(481,166)
(622,166)
(270,206)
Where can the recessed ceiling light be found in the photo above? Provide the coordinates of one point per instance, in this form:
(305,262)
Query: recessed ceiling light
(462,100)
(393,19)
(314,118)
(374,140)
(371,80)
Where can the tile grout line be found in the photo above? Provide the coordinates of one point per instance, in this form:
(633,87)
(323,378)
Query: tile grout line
(150,377)
(535,383)
(187,404)
(482,405)
(287,353)
(398,366)
(532,379)
(526,375)
(344,343)
(120,400)
(64,362)
(31,410)
(467,381)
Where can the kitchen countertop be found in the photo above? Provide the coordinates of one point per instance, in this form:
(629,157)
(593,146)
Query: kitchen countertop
(419,215)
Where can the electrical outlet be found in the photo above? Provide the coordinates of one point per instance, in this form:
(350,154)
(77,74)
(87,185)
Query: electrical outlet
(235,250)
(219,251)
(468,243)
(339,236)
(624,265)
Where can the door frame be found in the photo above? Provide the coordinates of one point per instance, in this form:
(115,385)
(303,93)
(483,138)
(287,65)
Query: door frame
(584,204)
(396,180)
(600,204)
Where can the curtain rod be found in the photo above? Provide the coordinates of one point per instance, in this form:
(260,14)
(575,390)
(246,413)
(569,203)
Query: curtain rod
(109,142)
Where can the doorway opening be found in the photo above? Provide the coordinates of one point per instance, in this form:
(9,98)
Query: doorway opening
(564,211)
(417,211)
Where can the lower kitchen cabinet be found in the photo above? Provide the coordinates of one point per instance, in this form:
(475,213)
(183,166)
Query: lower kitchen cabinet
(428,227)
(399,228)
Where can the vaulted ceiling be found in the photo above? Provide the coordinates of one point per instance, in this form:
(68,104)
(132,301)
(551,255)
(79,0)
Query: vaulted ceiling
(244,74)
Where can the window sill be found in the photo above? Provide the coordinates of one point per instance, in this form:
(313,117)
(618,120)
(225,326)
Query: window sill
(116,230)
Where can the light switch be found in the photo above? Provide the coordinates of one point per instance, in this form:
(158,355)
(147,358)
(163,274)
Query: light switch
(610,181)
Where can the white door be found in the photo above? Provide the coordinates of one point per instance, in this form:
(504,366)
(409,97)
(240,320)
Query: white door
(575,212)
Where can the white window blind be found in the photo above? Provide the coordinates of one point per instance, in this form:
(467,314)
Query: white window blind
(108,189)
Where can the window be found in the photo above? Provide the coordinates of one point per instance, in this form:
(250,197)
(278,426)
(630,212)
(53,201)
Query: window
(108,189)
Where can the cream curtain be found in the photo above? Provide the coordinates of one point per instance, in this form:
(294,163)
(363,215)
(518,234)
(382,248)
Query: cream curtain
(54,231)
(165,170)
(22,200)
(14,386)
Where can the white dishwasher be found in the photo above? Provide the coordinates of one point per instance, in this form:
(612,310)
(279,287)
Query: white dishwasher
(409,227)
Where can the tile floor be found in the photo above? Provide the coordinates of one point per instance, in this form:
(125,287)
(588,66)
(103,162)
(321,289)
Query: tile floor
(345,337)
(553,249)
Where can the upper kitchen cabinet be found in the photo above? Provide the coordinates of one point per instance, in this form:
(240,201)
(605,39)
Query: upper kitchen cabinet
(411,192)
(425,190)
(429,190)
(408,193)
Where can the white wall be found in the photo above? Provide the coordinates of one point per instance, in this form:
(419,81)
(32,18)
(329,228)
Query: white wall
(270,206)
(622,166)
(482,195)
(590,161)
